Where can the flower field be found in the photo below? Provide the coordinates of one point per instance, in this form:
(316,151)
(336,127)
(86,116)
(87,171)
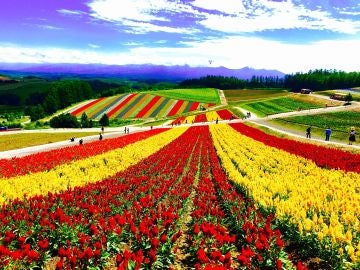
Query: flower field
(204,197)
(137,105)
(210,116)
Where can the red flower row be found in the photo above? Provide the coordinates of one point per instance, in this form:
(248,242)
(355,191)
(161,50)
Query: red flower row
(244,230)
(49,159)
(136,211)
(226,114)
(322,156)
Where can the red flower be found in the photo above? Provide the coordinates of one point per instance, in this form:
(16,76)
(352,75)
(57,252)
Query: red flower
(43,244)
(59,265)
(163,238)
(196,228)
(201,256)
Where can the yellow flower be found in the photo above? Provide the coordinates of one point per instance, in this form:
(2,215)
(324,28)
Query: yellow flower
(295,186)
(85,171)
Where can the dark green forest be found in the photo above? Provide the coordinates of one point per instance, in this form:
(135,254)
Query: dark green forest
(316,80)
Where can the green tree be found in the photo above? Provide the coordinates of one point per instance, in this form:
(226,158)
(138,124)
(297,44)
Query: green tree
(35,112)
(84,121)
(348,98)
(64,121)
(104,120)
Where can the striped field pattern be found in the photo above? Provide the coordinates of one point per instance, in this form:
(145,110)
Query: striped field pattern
(137,105)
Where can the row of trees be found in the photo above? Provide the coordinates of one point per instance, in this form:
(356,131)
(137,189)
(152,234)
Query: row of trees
(69,121)
(322,79)
(224,83)
(316,80)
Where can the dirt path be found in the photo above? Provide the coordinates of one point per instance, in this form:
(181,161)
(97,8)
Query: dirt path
(223,100)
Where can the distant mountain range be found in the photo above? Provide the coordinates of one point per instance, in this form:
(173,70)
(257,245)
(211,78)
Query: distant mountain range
(146,71)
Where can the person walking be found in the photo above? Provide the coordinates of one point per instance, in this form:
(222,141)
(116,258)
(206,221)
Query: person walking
(352,135)
(308,133)
(100,136)
(327,133)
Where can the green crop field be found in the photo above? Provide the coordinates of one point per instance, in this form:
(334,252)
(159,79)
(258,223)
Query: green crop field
(238,95)
(204,95)
(339,122)
(280,105)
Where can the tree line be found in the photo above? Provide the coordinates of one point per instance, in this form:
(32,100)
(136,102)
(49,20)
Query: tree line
(316,80)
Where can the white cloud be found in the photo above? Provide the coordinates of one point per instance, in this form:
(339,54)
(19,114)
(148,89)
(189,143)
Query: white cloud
(144,27)
(225,6)
(139,10)
(93,46)
(141,16)
(233,52)
(269,15)
(49,27)
(68,12)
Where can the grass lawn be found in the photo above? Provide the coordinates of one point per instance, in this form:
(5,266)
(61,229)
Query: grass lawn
(239,95)
(205,95)
(282,104)
(339,122)
(16,141)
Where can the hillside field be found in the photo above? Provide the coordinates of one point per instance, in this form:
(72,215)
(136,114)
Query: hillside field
(143,105)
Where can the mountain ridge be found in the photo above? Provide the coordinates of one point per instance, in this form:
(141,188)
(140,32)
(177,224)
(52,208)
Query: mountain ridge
(138,71)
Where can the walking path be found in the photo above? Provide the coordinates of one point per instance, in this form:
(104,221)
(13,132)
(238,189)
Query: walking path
(110,133)
(223,100)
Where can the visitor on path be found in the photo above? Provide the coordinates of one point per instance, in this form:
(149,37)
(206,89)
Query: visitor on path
(72,139)
(151,127)
(81,141)
(217,120)
(100,136)
(128,130)
(308,133)
(327,133)
(352,135)
(102,129)
(125,129)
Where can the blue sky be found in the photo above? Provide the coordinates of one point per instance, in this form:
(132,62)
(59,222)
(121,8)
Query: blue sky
(287,35)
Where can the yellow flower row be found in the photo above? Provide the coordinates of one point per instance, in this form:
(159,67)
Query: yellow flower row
(321,201)
(212,116)
(189,119)
(82,172)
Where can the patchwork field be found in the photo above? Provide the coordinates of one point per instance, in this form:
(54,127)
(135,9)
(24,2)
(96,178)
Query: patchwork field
(140,105)
(204,197)
(283,104)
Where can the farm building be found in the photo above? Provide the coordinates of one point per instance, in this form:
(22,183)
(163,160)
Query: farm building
(338,96)
(305,91)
